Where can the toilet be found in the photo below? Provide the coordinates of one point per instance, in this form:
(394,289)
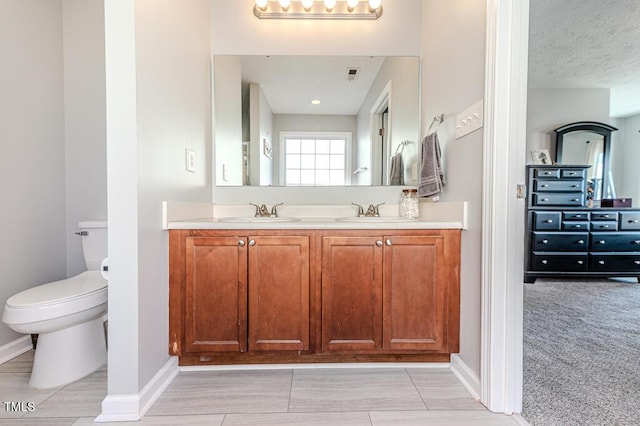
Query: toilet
(68,315)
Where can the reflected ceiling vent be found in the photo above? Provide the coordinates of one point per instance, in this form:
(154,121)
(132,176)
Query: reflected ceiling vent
(352,73)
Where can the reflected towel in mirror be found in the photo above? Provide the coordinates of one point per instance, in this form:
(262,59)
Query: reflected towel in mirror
(396,175)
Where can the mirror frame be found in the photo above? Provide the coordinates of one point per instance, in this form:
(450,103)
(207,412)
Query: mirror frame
(595,127)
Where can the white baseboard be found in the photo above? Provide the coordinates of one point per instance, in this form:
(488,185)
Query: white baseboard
(13,349)
(131,407)
(467,377)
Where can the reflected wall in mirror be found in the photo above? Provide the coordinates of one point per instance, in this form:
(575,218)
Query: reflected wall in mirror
(588,143)
(316,120)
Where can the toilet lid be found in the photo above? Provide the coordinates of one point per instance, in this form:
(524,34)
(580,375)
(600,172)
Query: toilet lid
(79,286)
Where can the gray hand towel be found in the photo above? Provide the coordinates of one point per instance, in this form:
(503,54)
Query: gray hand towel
(432,178)
(396,175)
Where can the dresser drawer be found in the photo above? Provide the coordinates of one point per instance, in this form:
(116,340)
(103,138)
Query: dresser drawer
(614,263)
(559,262)
(547,173)
(575,215)
(604,216)
(559,185)
(629,220)
(560,241)
(548,221)
(620,241)
(572,225)
(573,173)
(604,226)
(575,199)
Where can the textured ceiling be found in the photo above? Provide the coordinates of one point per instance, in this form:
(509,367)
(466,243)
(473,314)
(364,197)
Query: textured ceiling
(587,44)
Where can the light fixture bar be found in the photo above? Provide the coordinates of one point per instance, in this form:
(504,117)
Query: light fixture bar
(273,10)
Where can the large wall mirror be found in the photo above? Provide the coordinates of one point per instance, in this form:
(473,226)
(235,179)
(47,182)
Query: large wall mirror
(588,143)
(316,120)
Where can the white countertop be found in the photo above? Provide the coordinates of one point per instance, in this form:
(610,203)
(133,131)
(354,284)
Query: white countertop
(313,223)
(186,215)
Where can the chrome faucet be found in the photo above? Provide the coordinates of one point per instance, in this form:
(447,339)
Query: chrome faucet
(372,210)
(263,211)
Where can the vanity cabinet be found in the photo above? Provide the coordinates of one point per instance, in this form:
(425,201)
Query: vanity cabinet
(566,239)
(316,295)
(389,292)
(233,292)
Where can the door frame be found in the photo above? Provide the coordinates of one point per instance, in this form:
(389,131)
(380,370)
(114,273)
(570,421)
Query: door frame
(504,157)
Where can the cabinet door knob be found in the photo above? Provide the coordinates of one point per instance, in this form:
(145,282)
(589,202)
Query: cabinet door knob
(545,185)
(636,242)
(577,226)
(544,200)
(545,241)
(606,216)
(548,221)
(580,262)
(601,242)
(637,262)
(572,173)
(601,262)
(604,226)
(633,221)
(379,243)
(576,199)
(545,261)
(241,243)
(388,242)
(252,243)
(578,215)
(580,242)
(575,186)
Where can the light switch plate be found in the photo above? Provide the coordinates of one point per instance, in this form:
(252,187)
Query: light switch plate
(191,160)
(470,120)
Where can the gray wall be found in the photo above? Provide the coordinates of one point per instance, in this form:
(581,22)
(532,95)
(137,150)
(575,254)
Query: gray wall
(451,83)
(32,162)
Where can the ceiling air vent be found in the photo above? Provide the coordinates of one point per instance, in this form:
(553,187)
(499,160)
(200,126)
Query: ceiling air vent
(352,73)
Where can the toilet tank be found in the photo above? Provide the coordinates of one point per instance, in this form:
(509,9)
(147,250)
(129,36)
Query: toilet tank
(94,242)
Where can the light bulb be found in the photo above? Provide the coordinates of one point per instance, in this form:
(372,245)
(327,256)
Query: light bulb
(374,4)
(262,4)
(329,4)
(284,4)
(307,4)
(351,4)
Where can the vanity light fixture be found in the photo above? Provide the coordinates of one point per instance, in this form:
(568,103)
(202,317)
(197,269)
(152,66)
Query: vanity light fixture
(329,5)
(318,9)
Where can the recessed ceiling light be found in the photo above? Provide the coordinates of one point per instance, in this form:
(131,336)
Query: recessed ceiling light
(315,101)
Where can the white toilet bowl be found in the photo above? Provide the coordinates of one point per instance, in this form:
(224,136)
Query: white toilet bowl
(68,315)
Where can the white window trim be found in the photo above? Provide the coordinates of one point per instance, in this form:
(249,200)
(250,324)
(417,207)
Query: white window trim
(348,136)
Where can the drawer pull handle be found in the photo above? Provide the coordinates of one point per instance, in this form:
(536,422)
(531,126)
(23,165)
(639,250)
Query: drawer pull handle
(544,262)
(241,243)
(577,226)
(548,221)
(575,186)
(580,242)
(576,199)
(606,216)
(545,185)
(600,262)
(545,241)
(578,215)
(601,242)
(637,262)
(604,226)
(633,221)
(572,173)
(580,262)
(544,200)
(636,242)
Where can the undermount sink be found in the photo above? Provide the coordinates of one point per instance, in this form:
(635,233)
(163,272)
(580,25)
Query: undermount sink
(376,219)
(244,219)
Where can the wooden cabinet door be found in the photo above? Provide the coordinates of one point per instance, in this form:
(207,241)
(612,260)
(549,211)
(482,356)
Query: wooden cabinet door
(351,293)
(216,294)
(415,293)
(279,293)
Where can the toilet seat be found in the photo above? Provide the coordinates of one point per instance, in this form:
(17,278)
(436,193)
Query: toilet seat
(57,299)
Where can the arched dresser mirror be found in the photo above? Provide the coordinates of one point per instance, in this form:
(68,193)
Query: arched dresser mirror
(588,142)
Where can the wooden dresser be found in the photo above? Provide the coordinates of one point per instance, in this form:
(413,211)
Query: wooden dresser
(565,239)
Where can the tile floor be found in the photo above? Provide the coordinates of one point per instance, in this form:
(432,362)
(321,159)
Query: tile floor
(327,396)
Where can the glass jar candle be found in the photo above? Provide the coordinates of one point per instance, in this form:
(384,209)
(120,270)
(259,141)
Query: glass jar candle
(409,203)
